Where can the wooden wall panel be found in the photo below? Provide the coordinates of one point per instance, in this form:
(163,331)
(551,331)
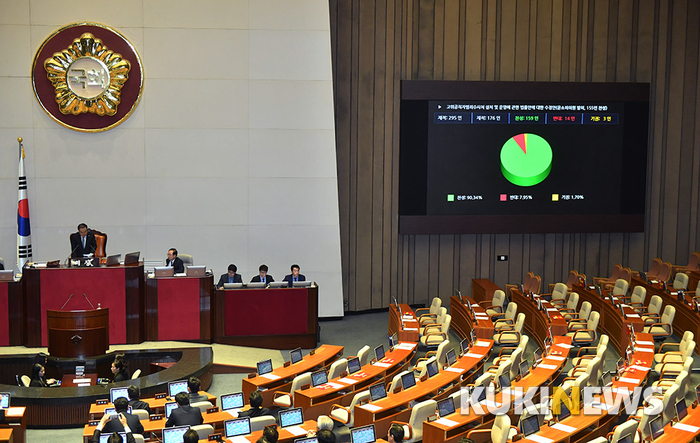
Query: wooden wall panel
(377,44)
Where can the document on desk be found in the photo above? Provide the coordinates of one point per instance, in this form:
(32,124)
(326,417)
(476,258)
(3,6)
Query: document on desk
(406,346)
(633,316)
(482,344)
(234,412)
(687,428)
(410,329)
(81,380)
(565,428)
(473,355)
(564,345)
(628,380)
(83,385)
(238,439)
(446,422)
(647,343)
(296,430)
(382,365)
(14,410)
(538,439)
(644,350)
(271,376)
(457,370)
(371,407)
(546,366)
(347,381)
(640,368)
(555,357)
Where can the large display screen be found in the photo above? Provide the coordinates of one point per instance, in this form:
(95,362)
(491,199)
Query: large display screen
(522,157)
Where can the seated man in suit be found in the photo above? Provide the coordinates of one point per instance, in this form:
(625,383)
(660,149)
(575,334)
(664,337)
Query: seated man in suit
(184,414)
(395,433)
(190,436)
(256,409)
(193,385)
(294,276)
(82,242)
(115,425)
(114,438)
(134,401)
(174,261)
(230,277)
(262,277)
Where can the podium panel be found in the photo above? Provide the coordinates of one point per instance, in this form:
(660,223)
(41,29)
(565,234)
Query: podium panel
(78,334)
(178,308)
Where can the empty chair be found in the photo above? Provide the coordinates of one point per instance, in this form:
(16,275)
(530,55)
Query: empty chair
(363,355)
(664,272)
(616,271)
(571,305)
(413,430)
(669,401)
(202,405)
(583,352)
(593,368)
(680,281)
(636,299)
(620,287)
(429,315)
(506,351)
(338,367)
(693,264)
(654,269)
(142,414)
(437,334)
(627,428)
(535,285)
(442,313)
(559,295)
(507,318)
(671,370)
(581,316)
(136,374)
(572,280)
(651,312)
(346,415)
(204,431)
(510,334)
(499,432)
(664,326)
(187,259)
(286,399)
(669,352)
(259,423)
(494,306)
(579,382)
(589,334)
(440,355)
(681,381)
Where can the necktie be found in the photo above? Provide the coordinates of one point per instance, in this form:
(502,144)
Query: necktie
(295,279)
(83,242)
(230,279)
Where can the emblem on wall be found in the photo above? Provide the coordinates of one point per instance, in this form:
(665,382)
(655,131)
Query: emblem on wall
(87,77)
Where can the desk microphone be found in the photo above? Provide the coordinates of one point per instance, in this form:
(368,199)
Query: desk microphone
(88,300)
(64,304)
(71,254)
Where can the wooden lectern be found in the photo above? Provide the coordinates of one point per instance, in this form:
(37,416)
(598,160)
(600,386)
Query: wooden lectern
(78,334)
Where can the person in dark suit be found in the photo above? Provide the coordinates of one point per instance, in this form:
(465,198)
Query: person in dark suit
(256,409)
(262,277)
(230,277)
(82,242)
(193,385)
(119,369)
(294,276)
(38,379)
(174,261)
(122,405)
(134,401)
(190,436)
(114,438)
(184,414)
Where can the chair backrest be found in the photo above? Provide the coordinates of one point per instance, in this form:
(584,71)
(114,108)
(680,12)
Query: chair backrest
(688,336)
(442,313)
(694,261)
(581,381)
(187,259)
(594,370)
(435,305)
(654,268)
(135,375)
(337,367)
(669,400)
(668,316)
(573,301)
(441,353)
(299,381)
(420,414)
(516,357)
(585,311)
(593,320)
(528,279)
(600,352)
(654,307)
(572,280)
(504,369)
(682,382)
(363,355)
(259,423)
(396,381)
(142,414)
(604,340)
(524,339)
(621,286)
(627,428)
(559,291)
(536,284)
(26,381)
(617,270)
(511,310)
(646,417)
(665,271)
(204,431)
(202,405)
(138,438)
(101,242)
(498,298)
(500,429)
(446,326)
(519,322)
(680,281)
(484,380)
(359,398)
(686,348)
(639,294)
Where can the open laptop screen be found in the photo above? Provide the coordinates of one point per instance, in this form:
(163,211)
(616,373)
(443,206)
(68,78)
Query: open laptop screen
(681,409)
(379,352)
(377,392)
(408,380)
(464,345)
(295,355)
(504,381)
(353,365)
(169,406)
(306,440)
(319,378)
(175,387)
(4,400)
(446,407)
(236,427)
(656,427)
(291,417)
(174,435)
(432,368)
(115,393)
(264,366)
(364,434)
(530,425)
(451,357)
(232,401)
(524,368)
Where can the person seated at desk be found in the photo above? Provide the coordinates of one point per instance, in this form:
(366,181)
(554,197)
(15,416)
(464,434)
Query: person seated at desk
(325,436)
(184,414)
(115,437)
(262,277)
(256,409)
(82,242)
(294,276)
(270,434)
(38,379)
(193,385)
(115,425)
(230,277)
(322,422)
(190,436)
(395,433)
(119,369)
(134,401)
(174,261)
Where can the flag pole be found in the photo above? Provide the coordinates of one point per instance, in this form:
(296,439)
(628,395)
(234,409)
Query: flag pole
(24,239)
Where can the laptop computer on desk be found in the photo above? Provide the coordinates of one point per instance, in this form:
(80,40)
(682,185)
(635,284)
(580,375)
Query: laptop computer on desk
(132,258)
(7,275)
(233,285)
(113,260)
(164,271)
(195,271)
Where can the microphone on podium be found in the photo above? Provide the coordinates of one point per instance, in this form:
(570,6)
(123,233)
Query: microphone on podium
(64,304)
(88,300)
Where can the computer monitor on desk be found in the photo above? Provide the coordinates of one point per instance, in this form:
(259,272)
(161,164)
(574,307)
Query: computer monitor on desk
(233,285)
(232,401)
(4,400)
(113,260)
(236,427)
(301,284)
(279,284)
(7,275)
(174,435)
(291,417)
(164,271)
(132,258)
(195,271)
(256,285)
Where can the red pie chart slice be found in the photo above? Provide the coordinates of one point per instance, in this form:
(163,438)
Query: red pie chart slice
(521,140)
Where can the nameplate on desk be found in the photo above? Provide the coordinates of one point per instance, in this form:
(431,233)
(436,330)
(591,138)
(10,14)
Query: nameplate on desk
(155,417)
(565,428)
(212,410)
(474,305)
(159,396)
(371,407)
(83,385)
(81,380)
(687,428)
(271,376)
(538,439)
(103,401)
(93,422)
(215,437)
(473,355)
(446,422)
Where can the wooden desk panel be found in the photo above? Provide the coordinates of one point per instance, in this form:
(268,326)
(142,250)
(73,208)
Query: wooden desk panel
(407,329)
(12,314)
(462,322)
(323,357)
(16,421)
(483,289)
(188,301)
(536,322)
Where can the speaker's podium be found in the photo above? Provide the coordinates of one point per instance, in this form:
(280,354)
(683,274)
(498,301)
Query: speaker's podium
(78,334)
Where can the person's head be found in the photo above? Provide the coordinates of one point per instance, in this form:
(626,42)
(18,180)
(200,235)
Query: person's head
(121,404)
(255,399)
(115,438)
(263,270)
(42,358)
(172,253)
(324,422)
(82,229)
(193,384)
(270,434)
(232,269)
(295,270)
(190,436)
(325,436)
(182,398)
(395,434)
(134,392)
(37,371)
(119,364)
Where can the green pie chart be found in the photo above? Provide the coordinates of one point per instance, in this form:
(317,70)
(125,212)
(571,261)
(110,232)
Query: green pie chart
(526,159)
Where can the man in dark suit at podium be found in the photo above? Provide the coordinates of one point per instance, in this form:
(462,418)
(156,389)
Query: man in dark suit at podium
(230,277)
(174,261)
(82,242)
(294,276)
(262,277)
